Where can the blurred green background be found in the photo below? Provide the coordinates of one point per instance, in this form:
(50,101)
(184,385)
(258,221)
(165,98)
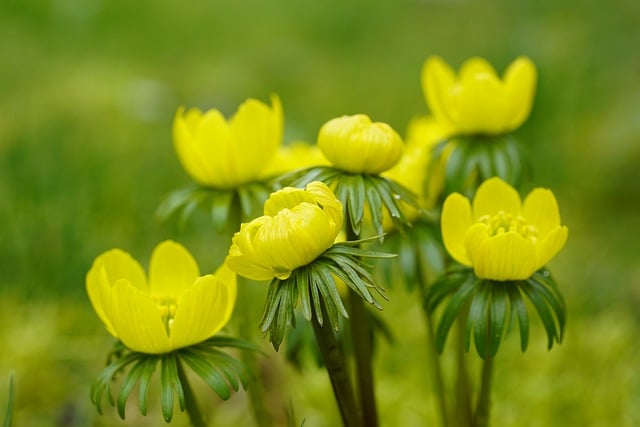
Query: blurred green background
(88,90)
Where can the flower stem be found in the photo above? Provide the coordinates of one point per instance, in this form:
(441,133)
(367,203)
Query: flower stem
(362,337)
(336,366)
(195,416)
(484,398)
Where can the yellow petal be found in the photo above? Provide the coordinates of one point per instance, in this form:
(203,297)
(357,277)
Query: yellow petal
(294,238)
(229,278)
(456,220)
(495,195)
(506,256)
(213,147)
(520,83)
(285,198)
(541,211)
(482,104)
(172,270)
(137,320)
(323,196)
(242,259)
(106,270)
(257,135)
(438,80)
(201,311)
(475,66)
(476,234)
(551,245)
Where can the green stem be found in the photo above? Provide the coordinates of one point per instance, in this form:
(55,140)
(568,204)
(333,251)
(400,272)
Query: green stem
(362,337)
(336,366)
(463,385)
(484,398)
(195,416)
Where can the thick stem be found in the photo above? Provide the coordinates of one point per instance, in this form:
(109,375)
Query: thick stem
(484,398)
(336,366)
(195,416)
(362,337)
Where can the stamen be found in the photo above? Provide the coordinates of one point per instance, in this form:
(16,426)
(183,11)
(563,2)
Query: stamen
(504,221)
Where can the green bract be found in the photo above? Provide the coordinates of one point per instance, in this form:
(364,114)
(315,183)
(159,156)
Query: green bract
(493,306)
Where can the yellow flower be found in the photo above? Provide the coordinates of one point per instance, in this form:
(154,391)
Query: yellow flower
(502,238)
(298,155)
(174,308)
(227,154)
(298,226)
(355,144)
(477,101)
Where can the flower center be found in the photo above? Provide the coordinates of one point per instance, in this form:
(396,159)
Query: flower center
(167,307)
(505,221)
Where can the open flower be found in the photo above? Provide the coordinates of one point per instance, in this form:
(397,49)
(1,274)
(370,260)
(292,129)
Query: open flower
(355,144)
(477,101)
(226,154)
(500,237)
(298,225)
(174,308)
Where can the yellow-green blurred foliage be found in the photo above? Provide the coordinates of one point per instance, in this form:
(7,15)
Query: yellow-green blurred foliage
(88,90)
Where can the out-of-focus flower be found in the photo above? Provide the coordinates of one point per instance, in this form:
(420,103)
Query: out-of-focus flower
(298,155)
(226,154)
(356,145)
(477,101)
(298,226)
(500,237)
(174,308)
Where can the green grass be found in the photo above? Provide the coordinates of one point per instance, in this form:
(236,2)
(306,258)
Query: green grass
(88,90)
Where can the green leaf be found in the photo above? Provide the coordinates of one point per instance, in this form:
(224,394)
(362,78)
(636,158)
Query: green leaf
(8,416)
(174,202)
(130,381)
(498,314)
(271,305)
(543,311)
(102,384)
(375,205)
(478,319)
(220,206)
(554,300)
(303,289)
(207,372)
(168,381)
(145,382)
(325,278)
(518,307)
(458,300)
(448,283)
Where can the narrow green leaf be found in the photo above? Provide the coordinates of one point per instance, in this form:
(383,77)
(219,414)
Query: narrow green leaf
(317,303)
(174,202)
(168,378)
(375,205)
(208,373)
(458,300)
(323,276)
(8,416)
(499,308)
(303,282)
(145,382)
(220,205)
(271,305)
(478,319)
(454,177)
(543,311)
(102,384)
(518,306)
(448,283)
(557,305)
(130,381)
(500,163)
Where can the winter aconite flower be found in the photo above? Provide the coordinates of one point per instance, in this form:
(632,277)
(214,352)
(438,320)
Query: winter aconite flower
(500,237)
(298,225)
(477,101)
(226,154)
(354,144)
(173,307)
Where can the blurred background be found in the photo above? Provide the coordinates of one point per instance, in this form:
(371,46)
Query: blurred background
(88,90)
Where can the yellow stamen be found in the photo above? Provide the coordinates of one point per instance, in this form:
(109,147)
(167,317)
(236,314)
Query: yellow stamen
(504,221)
